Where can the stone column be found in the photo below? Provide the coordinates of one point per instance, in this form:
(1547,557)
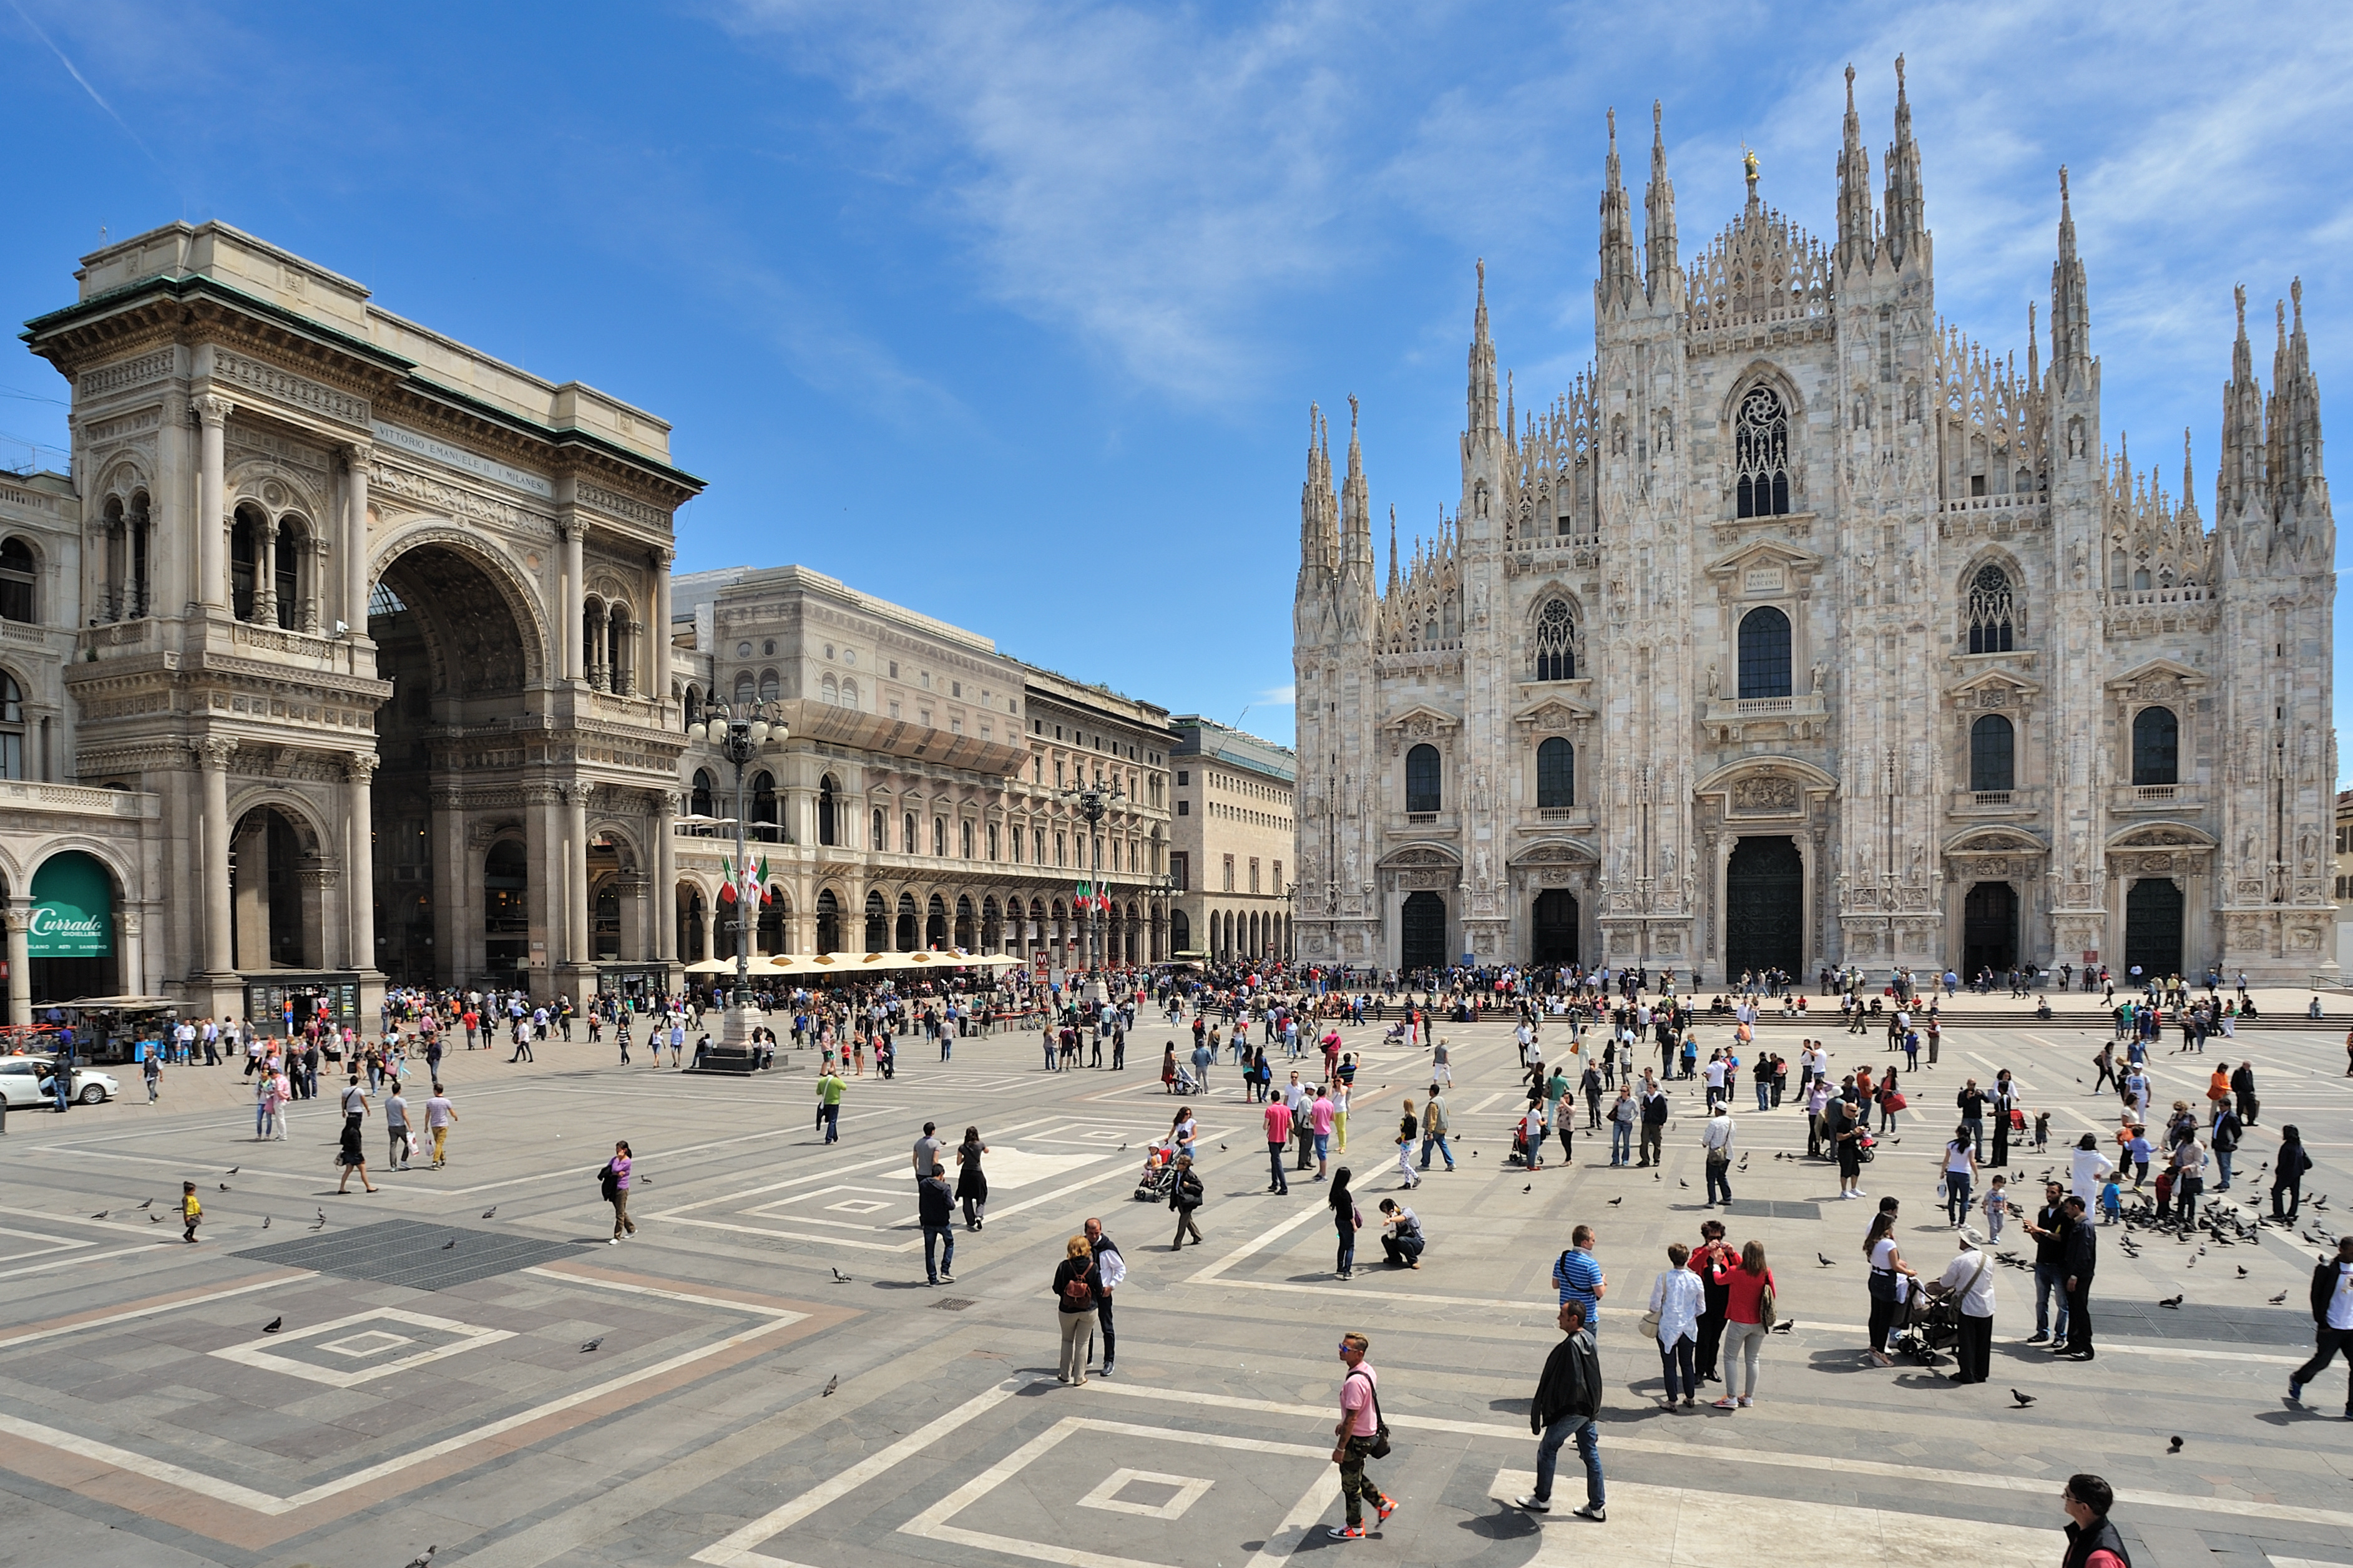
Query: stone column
(665,899)
(710,929)
(569,600)
(359,774)
(20,965)
(212,757)
(212,414)
(131,969)
(356,458)
(659,687)
(265,575)
(576,939)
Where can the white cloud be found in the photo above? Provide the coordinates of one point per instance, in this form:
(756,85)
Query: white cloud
(1131,174)
(1283,696)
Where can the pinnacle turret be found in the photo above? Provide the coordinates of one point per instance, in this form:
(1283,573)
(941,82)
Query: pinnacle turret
(1356,505)
(1615,289)
(1856,238)
(1905,207)
(2239,482)
(1664,273)
(1480,410)
(1319,532)
(2071,310)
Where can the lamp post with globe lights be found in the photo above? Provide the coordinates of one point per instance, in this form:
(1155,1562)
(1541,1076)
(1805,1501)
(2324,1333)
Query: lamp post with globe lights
(743,735)
(1094,802)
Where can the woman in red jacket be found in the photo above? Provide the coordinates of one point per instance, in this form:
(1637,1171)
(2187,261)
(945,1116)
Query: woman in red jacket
(1747,1286)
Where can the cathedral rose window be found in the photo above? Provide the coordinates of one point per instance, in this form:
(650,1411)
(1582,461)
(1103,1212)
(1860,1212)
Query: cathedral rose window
(1760,441)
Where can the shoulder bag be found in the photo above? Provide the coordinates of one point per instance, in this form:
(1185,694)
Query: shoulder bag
(1380,1449)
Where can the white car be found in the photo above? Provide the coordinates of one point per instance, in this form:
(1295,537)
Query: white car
(24,1080)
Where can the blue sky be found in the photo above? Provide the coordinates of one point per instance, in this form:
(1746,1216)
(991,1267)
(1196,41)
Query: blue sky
(1012,311)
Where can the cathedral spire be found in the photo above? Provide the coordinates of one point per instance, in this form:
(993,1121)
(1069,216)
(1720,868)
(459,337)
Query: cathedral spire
(2033,351)
(1855,247)
(1393,565)
(2295,423)
(1905,206)
(1355,504)
(1615,289)
(1319,539)
(1664,274)
(1480,412)
(2071,310)
(2238,481)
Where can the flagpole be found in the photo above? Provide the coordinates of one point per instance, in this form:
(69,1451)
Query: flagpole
(741,738)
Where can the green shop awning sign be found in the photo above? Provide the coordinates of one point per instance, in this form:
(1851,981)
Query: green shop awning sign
(73,910)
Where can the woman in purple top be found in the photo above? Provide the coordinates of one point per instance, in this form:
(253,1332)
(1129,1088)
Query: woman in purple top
(616,1191)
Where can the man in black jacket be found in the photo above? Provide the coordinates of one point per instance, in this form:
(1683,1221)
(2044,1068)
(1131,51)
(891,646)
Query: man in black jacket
(2080,1255)
(2332,1322)
(2243,1084)
(1568,1396)
(2091,1541)
(2049,1229)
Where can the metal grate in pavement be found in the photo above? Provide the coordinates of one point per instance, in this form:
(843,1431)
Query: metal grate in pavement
(1763,1209)
(2204,1324)
(412,1253)
(953,1304)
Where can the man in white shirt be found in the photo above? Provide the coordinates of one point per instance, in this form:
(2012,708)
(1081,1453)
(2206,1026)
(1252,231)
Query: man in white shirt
(2332,1323)
(1715,1137)
(1969,1278)
(1714,1075)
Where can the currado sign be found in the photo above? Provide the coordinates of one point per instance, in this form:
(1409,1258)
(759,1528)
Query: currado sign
(73,909)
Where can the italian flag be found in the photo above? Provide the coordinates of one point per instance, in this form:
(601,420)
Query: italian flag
(744,883)
(1088,899)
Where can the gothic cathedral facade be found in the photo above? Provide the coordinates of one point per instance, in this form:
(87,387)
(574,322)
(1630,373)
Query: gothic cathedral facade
(1806,630)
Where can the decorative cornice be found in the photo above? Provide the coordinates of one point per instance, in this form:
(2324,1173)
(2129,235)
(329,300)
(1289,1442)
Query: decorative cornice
(299,391)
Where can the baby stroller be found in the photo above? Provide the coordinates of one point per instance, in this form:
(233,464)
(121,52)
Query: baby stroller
(1158,1178)
(1930,1324)
(1396,1036)
(1185,1082)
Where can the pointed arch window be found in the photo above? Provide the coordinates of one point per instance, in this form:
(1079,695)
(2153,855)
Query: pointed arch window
(1763,653)
(1555,776)
(698,802)
(1993,752)
(1555,642)
(1989,611)
(2156,747)
(1760,440)
(1421,779)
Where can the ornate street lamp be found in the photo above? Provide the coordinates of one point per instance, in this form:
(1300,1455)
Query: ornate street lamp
(1094,803)
(742,734)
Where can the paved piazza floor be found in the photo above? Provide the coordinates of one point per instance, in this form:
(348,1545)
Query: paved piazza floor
(423,1393)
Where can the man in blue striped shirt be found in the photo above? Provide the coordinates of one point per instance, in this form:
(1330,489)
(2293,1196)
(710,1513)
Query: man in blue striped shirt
(1578,1276)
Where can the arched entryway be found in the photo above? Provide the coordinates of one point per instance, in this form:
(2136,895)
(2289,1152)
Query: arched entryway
(1422,931)
(1988,929)
(878,924)
(829,923)
(71,941)
(906,935)
(1765,907)
(2153,913)
(451,641)
(1556,927)
(1180,930)
(276,919)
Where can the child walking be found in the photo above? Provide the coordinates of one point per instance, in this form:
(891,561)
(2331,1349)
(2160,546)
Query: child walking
(192,1212)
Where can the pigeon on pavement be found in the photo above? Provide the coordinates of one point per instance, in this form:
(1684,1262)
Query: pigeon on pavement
(830,1384)
(272,1326)
(2023,1399)
(491,1211)
(592,1345)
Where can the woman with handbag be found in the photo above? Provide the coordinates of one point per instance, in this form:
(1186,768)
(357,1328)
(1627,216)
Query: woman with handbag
(1750,1313)
(1074,1300)
(1675,1297)
(1960,1170)
(1890,1280)
(1347,1221)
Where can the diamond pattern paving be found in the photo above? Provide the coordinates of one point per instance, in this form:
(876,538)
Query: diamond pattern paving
(406,1252)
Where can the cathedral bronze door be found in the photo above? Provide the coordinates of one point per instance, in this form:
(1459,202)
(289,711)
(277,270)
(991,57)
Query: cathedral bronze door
(1423,928)
(1988,929)
(2153,928)
(1555,934)
(1764,908)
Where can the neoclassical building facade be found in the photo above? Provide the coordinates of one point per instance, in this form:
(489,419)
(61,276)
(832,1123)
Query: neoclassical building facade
(1806,629)
(923,800)
(374,620)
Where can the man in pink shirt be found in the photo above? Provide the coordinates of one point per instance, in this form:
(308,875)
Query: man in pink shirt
(1319,1120)
(1277,1139)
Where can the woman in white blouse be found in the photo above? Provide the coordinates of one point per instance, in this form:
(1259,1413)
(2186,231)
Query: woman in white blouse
(1676,1296)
